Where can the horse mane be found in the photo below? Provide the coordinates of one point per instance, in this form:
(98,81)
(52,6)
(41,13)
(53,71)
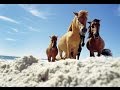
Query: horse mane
(70,27)
(89,32)
(73,21)
(83,13)
(80,13)
(53,38)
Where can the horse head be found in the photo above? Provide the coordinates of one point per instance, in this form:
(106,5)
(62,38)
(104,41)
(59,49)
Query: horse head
(53,40)
(82,19)
(93,29)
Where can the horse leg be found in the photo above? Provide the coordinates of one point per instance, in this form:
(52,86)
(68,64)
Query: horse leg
(68,51)
(83,40)
(49,58)
(53,59)
(60,53)
(71,54)
(99,53)
(65,56)
(79,51)
(78,55)
(92,54)
(75,53)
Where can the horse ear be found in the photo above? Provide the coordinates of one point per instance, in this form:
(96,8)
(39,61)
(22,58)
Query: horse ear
(75,13)
(99,20)
(50,36)
(89,22)
(86,12)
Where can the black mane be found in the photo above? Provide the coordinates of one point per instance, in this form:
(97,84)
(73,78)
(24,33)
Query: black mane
(89,33)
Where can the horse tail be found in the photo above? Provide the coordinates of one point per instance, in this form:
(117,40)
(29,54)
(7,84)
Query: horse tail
(106,52)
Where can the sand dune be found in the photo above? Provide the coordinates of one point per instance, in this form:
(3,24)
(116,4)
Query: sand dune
(89,72)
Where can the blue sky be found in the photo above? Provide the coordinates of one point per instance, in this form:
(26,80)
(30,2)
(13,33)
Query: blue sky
(25,28)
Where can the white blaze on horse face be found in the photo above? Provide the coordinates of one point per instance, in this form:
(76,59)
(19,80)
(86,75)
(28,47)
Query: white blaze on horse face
(94,30)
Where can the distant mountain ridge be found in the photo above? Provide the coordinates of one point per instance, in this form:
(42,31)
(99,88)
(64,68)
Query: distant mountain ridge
(8,57)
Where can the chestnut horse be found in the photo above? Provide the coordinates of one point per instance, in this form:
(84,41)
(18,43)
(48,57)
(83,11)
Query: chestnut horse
(95,43)
(52,50)
(69,42)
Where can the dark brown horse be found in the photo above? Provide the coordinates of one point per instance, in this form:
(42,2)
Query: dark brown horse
(52,50)
(95,43)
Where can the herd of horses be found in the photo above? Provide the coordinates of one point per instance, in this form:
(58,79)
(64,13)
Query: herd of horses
(73,40)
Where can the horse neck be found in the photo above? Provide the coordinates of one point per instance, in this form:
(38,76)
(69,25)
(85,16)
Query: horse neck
(99,38)
(50,46)
(89,33)
(75,26)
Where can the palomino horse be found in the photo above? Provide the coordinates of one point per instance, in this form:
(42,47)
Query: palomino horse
(69,42)
(95,43)
(52,50)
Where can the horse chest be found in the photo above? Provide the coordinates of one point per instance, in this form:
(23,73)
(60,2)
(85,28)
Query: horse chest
(94,44)
(52,51)
(74,37)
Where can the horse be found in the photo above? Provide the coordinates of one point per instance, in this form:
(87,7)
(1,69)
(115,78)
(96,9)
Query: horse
(52,50)
(95,42)
(70,41)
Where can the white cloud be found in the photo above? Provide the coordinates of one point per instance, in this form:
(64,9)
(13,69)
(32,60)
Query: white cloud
(10,39)
(15,30)
(35,12)
(33,29)
(32,9)
(8,19)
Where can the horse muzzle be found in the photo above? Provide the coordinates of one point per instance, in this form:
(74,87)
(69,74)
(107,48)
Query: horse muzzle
(83,31)
(96,36)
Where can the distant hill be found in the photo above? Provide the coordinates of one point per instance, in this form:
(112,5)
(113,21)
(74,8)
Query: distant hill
(8,57)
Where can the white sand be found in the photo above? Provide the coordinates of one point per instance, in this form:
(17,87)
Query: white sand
(90,72)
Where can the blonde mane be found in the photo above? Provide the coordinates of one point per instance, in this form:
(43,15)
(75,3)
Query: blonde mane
(82,13)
